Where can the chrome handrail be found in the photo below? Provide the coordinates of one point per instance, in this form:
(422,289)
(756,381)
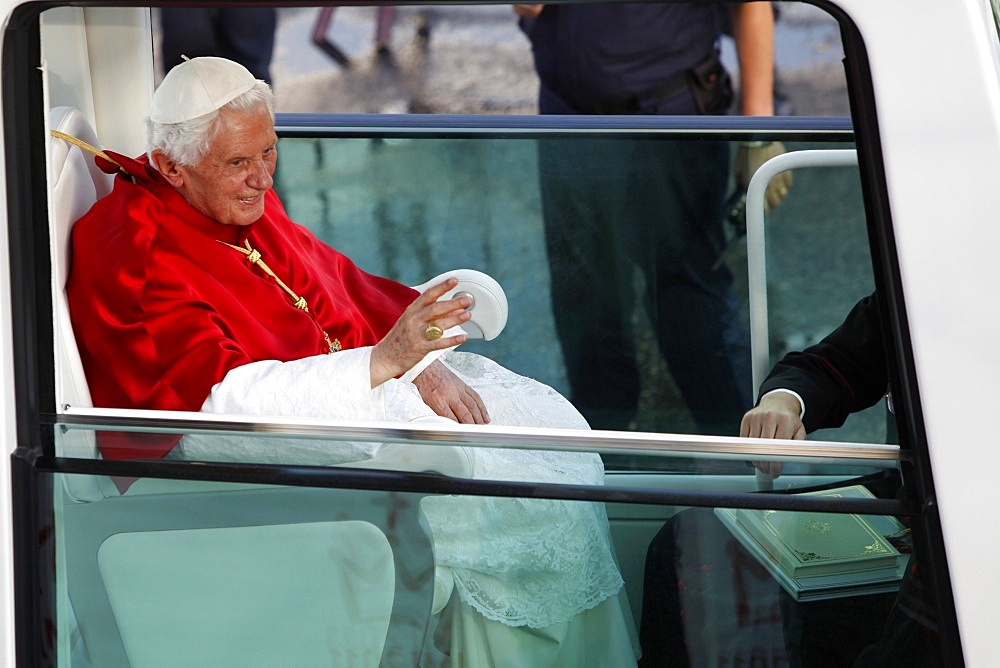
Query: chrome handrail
(756,251)
(695,446)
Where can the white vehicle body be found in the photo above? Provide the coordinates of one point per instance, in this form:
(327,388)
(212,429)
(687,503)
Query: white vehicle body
(934,107)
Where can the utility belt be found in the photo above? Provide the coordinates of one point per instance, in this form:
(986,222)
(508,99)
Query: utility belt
(708,81)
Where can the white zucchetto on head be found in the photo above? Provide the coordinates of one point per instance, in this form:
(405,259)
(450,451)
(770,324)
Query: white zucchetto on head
(197,87)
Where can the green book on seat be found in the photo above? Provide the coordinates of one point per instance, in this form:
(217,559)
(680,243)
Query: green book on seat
(821,555)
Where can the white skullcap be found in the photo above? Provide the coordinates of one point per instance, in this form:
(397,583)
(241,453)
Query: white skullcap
(197,87)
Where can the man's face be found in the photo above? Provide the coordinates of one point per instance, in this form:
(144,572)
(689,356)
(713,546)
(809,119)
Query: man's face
(229,182)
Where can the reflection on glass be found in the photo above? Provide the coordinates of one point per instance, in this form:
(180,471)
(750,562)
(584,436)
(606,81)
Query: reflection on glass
(436,203)
(207,573)
(513,561)
(716,595)
(267,575)
(141,568)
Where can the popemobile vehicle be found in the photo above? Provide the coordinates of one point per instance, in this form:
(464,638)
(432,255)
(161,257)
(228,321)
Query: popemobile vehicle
(245,546)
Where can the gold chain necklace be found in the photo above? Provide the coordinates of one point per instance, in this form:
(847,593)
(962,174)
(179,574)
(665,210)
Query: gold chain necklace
(254,258)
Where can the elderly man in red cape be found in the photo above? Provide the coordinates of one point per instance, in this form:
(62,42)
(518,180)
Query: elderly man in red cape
(191,289)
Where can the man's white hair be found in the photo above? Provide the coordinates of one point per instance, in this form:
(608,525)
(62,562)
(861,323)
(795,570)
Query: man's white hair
(187,142)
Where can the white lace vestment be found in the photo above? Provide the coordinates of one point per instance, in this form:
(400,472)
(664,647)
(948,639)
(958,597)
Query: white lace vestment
(518,561)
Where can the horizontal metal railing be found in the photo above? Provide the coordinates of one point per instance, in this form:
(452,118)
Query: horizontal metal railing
(785,128)
(867,456)
(606,442)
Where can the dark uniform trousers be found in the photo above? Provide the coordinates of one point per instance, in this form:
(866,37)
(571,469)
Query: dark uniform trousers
(612,206)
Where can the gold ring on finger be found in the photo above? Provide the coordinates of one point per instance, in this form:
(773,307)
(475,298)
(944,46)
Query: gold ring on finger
(433,332)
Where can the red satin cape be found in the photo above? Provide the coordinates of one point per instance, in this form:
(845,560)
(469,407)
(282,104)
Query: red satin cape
(162,311)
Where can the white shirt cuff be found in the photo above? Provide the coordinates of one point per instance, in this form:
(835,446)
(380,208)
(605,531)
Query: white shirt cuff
(802,404)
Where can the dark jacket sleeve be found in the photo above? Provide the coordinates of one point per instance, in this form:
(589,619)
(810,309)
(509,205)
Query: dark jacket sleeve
(844,373)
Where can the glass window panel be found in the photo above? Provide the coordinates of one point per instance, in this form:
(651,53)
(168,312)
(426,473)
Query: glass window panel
(114,545)
(710,600)
(219,571)
(818,267)
(411,207)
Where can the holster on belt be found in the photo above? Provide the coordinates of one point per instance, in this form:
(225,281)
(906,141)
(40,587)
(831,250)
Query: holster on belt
(709,83)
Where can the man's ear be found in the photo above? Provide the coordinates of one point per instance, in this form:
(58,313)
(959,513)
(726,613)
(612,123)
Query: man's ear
(168,168)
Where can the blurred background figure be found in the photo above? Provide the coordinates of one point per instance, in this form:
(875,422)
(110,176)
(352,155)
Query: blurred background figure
(383,31)
(611,207)
(242,34)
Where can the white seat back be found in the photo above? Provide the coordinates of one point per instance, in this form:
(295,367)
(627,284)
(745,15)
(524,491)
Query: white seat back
(250,576)
(75,183)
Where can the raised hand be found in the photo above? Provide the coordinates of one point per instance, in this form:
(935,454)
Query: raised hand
(418,332)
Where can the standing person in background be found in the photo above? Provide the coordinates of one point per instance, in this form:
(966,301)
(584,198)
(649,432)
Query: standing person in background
(659,207)
(242,34)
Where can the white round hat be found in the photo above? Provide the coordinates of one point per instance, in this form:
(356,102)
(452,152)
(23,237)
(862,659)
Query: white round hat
(197,87)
